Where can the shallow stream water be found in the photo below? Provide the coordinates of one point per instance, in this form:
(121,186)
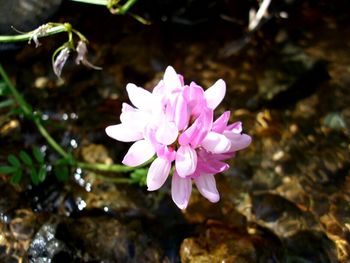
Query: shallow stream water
(284,199)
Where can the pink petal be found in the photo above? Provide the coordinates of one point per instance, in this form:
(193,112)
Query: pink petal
(215,94)
(206,185)
(181,190)
(238,141)
(158,90)
(135,118)
(186,160)
(216,143)
(195,134)
(123,133)
(166,152)
(140,152)
(220,123)
(158,173)
(186,137)
(139,97)
(235,127)
(203,126)
(171,80)
(194,96)
(212,167)
(166,133)
(181,115)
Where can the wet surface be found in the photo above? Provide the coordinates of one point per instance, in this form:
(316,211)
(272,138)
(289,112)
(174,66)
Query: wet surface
(284,199)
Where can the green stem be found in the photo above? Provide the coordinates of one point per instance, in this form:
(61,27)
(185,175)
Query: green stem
(24,106)
(118,180)
(28,112)
(92,2)
(27,36)
(49,139)
(105,167)
(124,8)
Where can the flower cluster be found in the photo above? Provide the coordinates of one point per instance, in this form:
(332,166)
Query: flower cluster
(176,122)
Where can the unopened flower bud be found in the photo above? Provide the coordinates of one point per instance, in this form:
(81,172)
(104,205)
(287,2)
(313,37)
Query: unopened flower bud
(60,60)
(39,32)
(81,57)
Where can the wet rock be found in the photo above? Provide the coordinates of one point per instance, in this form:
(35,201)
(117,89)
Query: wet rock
(294,75)
(106,239)
(94,153)
(309,246)
(334,121)
(44,246)
(16,235)
(269,207)
(23,225)
(9,201)
(219,243)
(280,215)
(51,196)
(116,199)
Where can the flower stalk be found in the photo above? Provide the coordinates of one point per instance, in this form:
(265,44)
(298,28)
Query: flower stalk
(113,5)
(116,8)
(52,29)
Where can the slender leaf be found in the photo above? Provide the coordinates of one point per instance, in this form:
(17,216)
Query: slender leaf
(16,177)
(25,158)
(7,169)
(13,160)
(16,111)
(38,155)
(42,173)
(34,176)
(6,103)
(3,89)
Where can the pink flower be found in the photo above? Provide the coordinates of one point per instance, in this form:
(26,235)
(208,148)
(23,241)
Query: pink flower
(175,123)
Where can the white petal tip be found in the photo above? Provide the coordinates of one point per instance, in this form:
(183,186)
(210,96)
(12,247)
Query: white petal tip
(182,207)
(214,198)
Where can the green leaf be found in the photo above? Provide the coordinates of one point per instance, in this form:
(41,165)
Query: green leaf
(6,103)
(38,155)
(61,172)
(13,160)
(42,173)
(25,158)
(16,177)
(34,176)
(4,89)
(7,169)
(16,111)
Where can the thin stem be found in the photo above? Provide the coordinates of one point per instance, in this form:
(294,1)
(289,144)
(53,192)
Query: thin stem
(27,36)
(105,167)
(118,180)
(124,8)
(51,141)
(24,106)
(27,111)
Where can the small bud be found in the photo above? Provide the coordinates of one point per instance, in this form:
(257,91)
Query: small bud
(81,57)
(39,32)
(60,60)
